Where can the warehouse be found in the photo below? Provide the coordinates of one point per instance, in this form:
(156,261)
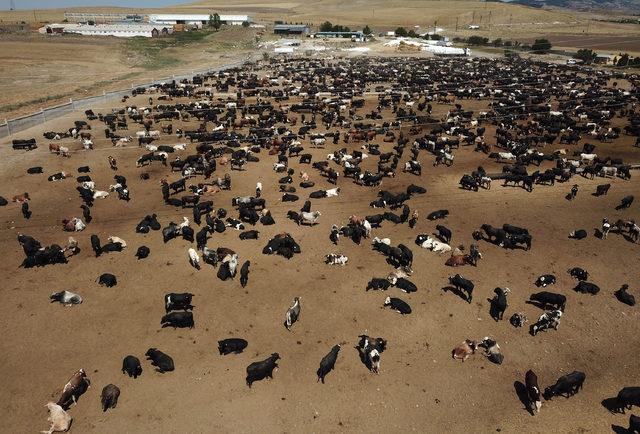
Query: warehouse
(290,29)
(198,19)
(117,30)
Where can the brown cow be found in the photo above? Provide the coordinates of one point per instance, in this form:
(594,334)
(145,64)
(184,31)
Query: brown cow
(20,198)
(464,350)
(456,260)
(76,386)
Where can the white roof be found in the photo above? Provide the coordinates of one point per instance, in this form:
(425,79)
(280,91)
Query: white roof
(140,27)
(195,17)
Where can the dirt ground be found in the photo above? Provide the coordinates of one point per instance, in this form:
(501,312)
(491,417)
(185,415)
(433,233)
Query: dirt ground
(419,388)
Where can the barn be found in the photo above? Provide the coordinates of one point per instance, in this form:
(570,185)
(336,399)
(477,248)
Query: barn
(290,29)
(117,30)
(197,19)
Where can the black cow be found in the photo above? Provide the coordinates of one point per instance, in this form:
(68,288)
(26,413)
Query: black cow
(84,169)
(187,233)
(178,319)
(378,284)
(405,285)
(625,202)
(579,273)
(249,235)
(545,279)
(624,297)
(436,215)
(578,234)
(109,396)
(257,371)
(602,189)
(463,285)
(142,252)
(628,397)
(549,299)
(131,366)
(178,301)
(162,361)
(398,305)
(533,391)
(232,345)
(328,362)
(95,245)
(34,170)
(112,247)
(634,424)
(567,385)
(107,279)
(444,233)
(244,273)
(587,288)
(499,303)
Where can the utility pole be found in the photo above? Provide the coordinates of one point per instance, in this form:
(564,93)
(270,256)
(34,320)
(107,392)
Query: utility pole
(457,23)
(473,20)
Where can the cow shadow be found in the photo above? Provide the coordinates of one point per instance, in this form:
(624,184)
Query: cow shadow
(569,197)
(611,404)
(536,304)
(460,293)
(598,233)
(363,357)
(523,396)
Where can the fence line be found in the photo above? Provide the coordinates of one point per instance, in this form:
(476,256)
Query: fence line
(9,127)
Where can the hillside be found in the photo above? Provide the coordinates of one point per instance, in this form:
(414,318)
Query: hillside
(616,6)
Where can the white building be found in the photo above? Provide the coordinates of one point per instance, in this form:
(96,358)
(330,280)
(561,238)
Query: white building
(197,19)
(117,30)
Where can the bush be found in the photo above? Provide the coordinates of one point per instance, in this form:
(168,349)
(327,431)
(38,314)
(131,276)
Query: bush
(497,42)
(401,31)
(477,40)
(586,55)
(541,46)
(366,30)
(326,26)
(412,34)
(245,24)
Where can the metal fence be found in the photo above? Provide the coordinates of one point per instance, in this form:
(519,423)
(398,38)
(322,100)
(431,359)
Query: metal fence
(17,125)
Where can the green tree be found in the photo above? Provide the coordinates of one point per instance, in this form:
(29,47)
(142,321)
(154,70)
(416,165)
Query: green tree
(586,55)
(623,60)
(326,26)
(366,30)
(214,21)
(477,40)
(497,42)
(401,31)
(541,46)
(245,24)
(412,34)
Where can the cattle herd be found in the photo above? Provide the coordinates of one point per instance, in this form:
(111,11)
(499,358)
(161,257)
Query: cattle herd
(308,132)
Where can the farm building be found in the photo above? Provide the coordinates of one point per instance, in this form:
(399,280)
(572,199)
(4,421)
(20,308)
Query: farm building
(83,17)
(197,19)
(290,29)
(355,36)
(118,30)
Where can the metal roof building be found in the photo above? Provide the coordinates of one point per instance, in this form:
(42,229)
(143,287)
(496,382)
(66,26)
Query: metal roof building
(290,29)
(233,20)
(118,30)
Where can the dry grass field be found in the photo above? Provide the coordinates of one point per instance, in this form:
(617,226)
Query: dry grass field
(39,71)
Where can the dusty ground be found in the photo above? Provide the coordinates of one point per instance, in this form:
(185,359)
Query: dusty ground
(419,387)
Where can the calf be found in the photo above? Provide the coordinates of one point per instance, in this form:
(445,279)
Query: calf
(547,320)
(249,235)
(327,363)
(59,419)
(292,313)
(464,350)
(178,301)
(567,385)
(533,391)
(107,279)
(232,345)
(336,259)
(578,234)
(178,319)
(160,360)
(131,366)
(437,215)
(142,252)
(34,170)
(370,349)
(545,279)
(399,305)
(194,258)
(109,396)
(463,285)
(67,298)
(624,297)
(257,371)
(76,386)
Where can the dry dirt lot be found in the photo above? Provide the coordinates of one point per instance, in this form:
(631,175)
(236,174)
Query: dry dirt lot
(420,388)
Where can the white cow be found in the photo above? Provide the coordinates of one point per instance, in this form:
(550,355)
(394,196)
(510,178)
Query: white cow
(114,239)
(60,419)
(336,259)
(194,258)
(333,192)
(310,218)
(99,194)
